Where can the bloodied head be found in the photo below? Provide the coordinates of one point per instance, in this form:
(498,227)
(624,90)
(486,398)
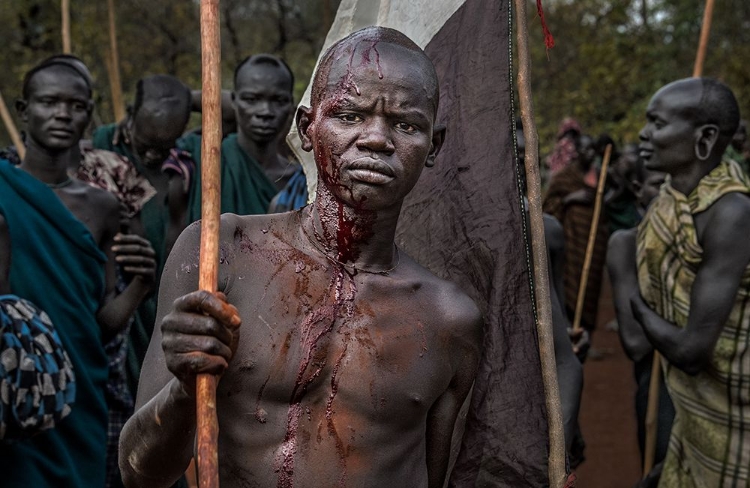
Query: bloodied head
(371,124)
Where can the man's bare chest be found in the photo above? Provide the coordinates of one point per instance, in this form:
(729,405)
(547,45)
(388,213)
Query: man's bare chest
(325,338)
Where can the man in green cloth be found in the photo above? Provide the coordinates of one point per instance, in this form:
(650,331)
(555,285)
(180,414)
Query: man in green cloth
(62,238)
(694,280)
(252,170)
(147,139)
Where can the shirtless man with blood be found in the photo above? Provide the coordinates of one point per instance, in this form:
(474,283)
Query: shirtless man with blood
(350,361)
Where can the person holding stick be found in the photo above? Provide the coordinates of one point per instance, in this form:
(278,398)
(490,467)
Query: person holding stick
(352,360)
(60,236)
(570,199)
(694,281)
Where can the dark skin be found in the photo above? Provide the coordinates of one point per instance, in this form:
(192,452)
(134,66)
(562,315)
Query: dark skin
(675,143)
(586,157)
(621,263)
(569,370)
(392,356)
(263,107)
(151,133)
(56,113)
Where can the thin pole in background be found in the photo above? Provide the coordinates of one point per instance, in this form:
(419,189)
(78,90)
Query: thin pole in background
(65,10)
(583,283)
(113,66)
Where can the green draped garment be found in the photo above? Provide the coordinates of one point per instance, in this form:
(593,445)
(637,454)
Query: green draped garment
(245,188)
(56,264)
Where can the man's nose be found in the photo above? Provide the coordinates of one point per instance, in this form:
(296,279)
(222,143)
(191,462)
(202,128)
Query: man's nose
(62,111)
(376,136)
(264,109)
(643,135)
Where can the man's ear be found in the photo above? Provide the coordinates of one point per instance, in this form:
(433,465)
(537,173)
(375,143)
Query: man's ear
(438,137)
(304,122)
(21,106)
(705,141)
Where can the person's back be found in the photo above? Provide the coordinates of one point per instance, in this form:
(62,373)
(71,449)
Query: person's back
(695,281)
(354,360)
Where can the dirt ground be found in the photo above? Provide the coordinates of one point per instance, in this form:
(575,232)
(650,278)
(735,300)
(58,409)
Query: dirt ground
(607,416)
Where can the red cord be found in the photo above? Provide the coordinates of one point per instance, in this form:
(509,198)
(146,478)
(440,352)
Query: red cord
(549,41)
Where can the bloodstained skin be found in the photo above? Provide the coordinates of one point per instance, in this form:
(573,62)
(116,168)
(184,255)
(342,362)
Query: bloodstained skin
(353,226)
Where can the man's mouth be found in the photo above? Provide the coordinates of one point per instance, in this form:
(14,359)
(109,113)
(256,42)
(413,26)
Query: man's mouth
(60,132)
(645,153)
(371,171)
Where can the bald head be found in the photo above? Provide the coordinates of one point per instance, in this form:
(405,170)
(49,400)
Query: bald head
(163,97)
(367,47)
(705,101)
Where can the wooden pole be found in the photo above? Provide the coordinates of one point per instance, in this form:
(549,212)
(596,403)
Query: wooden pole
(208,424)
(113,66)
(652,421)
(10,126)
(556,461)
(592,239)
(65,8)
(703,43)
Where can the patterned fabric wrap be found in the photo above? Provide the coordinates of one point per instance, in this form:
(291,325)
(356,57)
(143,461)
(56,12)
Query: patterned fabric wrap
(37,383)
(293,196)
(709,442)
(110,171)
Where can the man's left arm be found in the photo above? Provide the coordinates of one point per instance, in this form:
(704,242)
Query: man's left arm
(726,225)
(442,416)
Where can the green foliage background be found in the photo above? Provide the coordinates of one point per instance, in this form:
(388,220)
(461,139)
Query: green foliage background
(611,55)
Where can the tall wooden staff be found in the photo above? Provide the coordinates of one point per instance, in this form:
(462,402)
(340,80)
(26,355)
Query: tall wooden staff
(113,65)
(208,425)
(592,239)
(652,421)
(11,128)
(556,465)
(65,10)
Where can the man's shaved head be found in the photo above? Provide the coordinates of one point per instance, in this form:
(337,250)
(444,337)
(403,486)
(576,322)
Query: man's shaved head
(714,103)
(165,96)
(361,47)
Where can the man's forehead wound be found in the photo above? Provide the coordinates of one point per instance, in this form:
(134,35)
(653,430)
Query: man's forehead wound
(357,51)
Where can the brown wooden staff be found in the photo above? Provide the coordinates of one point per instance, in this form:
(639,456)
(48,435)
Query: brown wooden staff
(65,10)
(10,126)
(113,65)
(592,239)
(652,409)
(703,43)
(556,461)
(208,424)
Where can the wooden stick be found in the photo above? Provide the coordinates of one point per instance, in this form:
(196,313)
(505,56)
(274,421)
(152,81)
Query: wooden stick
(208,424)
(556,461)
(592,239)
(652,421)
(700,56)
(65,8)
(10,126)
(113,66)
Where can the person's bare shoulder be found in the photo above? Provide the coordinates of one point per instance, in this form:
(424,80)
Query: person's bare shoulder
(452,310)
(621,244)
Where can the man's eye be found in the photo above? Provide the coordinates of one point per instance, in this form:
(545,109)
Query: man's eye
(408,128)
(350,118)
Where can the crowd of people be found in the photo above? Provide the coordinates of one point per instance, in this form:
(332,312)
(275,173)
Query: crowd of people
(104,331)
